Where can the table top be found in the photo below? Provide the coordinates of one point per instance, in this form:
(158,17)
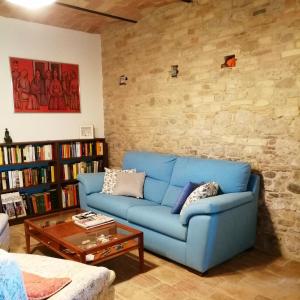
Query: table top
(60,228)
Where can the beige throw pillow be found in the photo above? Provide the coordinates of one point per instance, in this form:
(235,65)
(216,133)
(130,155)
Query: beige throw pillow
(110,179)
(130,184)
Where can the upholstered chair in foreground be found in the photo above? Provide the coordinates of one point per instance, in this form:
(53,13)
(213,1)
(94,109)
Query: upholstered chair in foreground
(4,232)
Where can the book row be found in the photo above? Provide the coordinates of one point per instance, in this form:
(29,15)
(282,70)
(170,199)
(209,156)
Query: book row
(70,195)
(17,205)
(28,153)
(40,203)
(71,171)
(26,177)
(78,149)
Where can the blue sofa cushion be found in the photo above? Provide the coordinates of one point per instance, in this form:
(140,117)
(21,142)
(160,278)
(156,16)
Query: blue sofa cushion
(115,205)
(154,190)
(159,219)
(232,177)
(186,191)
(158,169)
(171,195)
(157,166)
(92,182)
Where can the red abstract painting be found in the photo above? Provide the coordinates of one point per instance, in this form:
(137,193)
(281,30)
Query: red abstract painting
(42,86)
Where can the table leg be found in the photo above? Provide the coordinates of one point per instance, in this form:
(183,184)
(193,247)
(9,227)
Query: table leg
(141,251)
(27,237)
(83,258)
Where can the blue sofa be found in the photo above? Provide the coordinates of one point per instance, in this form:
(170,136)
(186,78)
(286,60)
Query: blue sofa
(208,232)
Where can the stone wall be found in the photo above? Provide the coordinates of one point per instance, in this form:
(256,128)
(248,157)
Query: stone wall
(248,113)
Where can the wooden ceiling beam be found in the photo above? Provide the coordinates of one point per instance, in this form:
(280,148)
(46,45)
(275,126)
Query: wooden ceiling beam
(95,12)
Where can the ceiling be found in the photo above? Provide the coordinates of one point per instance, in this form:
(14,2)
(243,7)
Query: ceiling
(57,15)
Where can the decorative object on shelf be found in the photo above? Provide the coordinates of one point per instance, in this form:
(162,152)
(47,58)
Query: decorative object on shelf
(229,61)
(123,80)
(43,86)
(174,71)
(7,137)
(87,132)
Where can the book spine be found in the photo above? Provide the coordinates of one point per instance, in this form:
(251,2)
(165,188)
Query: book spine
(5,155)
(1,157)
(34,204)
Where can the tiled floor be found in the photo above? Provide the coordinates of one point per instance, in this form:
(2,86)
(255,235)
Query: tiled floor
(252,275)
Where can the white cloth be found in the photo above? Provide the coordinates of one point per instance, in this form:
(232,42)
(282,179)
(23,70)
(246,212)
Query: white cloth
(87,281)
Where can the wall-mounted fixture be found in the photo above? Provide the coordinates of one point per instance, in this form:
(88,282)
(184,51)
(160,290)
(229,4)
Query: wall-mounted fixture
(174,71)
(123,80)
(229,61)
(259,12)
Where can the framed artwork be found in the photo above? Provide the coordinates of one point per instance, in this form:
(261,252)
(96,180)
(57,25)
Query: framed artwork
(43,86)
(87,132)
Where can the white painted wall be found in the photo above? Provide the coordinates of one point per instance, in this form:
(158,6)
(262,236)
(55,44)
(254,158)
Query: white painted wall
(35,41)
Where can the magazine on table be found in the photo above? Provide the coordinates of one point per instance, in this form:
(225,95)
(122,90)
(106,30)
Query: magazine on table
(90,219)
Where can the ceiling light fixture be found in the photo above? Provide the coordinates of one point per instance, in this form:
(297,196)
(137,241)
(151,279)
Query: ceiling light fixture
(32,4)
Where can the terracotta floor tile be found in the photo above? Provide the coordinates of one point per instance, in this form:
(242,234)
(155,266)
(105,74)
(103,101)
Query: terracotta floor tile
(167,292)
(220,296)
(252,275)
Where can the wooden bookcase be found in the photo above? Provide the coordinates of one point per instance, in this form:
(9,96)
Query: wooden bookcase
(40,174)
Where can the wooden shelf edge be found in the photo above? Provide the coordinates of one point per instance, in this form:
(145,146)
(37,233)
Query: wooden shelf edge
(39,162)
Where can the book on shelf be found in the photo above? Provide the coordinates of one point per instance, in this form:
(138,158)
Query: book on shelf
(90,219)
(29,153)
(99,148)
(71,171)
(39,203)
(79,149)
(69,195)
(26,177)
(13,205)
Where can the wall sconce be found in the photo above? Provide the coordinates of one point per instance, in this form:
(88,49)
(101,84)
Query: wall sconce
(123,80)
(174,71)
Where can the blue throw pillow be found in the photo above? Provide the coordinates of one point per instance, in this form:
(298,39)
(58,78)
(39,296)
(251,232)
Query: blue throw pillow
(187,190)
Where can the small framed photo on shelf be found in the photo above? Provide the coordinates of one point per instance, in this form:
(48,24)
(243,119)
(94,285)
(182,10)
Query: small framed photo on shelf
(87,132)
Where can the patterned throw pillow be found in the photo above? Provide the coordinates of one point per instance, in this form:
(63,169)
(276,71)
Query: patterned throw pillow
(203,191)
(110,179)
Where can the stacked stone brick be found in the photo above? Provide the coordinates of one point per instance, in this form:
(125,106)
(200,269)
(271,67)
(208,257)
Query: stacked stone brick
(247,113)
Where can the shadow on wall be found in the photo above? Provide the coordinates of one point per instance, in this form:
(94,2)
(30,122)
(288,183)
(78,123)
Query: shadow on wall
(266,238)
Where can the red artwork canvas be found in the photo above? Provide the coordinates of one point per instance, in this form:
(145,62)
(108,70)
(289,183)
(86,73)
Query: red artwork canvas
(43,86)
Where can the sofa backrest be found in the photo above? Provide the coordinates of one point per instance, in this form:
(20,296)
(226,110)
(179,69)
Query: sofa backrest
(231,176)
(158,169)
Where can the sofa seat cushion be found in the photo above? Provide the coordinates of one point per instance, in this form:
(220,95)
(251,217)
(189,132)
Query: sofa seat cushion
(159,219)
(115,205)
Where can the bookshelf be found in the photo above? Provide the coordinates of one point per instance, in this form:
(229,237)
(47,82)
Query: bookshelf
(45,174)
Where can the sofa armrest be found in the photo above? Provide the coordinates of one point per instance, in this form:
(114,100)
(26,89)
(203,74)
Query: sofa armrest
(216,204)
(92,182)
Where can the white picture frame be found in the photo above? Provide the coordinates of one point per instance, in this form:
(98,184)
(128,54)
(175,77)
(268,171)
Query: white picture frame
(87,132)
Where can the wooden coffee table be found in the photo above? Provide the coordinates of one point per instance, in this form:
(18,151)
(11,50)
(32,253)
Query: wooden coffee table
(58,232)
